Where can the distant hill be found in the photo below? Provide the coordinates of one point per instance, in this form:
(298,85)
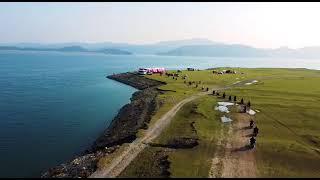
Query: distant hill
(133,48)
(216,50)
(185,47)
(225,50)
(72,49)
(68,49)
(114,51)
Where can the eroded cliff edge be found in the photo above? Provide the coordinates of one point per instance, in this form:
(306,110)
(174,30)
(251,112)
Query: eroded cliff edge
(123,128)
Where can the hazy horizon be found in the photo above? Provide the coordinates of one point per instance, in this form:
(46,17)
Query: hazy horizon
(260,25)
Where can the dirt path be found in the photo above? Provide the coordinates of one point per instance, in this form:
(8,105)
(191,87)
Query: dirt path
(122,161)
(236,160)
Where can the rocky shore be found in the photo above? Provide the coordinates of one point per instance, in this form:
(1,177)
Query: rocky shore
(131,117)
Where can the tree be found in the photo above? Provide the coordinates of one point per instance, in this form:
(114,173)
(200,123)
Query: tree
(245,109)
(197,86)
(207,89)
(241,101)
(213,92)
(218,93)
(229,98)
(202,88)
(224,95)
(235,99)
(248,104)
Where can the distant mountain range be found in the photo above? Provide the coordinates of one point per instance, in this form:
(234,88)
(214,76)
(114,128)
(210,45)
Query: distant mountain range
(223,50)
(216,50)
(187,47)
(67,49)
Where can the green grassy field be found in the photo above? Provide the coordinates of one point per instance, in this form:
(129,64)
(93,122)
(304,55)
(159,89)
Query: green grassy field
(288,100)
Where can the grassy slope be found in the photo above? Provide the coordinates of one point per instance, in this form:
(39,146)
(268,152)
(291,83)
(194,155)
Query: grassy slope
(289,123)
(289,131)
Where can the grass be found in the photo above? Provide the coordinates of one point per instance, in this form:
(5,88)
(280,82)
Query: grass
(194,162)
(289,123)
(146,165)
(289,129)
(288,144)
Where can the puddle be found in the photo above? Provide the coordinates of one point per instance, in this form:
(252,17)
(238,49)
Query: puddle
(223,106)
(225,103)
(251,112)
(224,119)
(252,82)
(222,109)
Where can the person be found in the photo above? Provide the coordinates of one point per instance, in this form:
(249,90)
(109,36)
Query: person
(255,131)
(251,123)
(252,142)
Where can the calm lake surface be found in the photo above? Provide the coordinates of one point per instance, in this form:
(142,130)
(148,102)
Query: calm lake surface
(53,105)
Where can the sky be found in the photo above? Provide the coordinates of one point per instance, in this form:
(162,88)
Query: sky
(258,24)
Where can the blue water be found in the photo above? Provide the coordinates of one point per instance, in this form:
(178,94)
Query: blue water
(53,105)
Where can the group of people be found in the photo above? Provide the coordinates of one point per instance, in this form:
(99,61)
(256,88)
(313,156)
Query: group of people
(254,134)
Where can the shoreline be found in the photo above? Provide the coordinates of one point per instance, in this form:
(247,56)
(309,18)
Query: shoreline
(122,129)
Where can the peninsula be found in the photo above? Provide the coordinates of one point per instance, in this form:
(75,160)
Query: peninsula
(195,123)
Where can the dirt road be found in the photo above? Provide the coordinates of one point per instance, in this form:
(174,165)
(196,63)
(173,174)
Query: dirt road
(233,158)
(122,161)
